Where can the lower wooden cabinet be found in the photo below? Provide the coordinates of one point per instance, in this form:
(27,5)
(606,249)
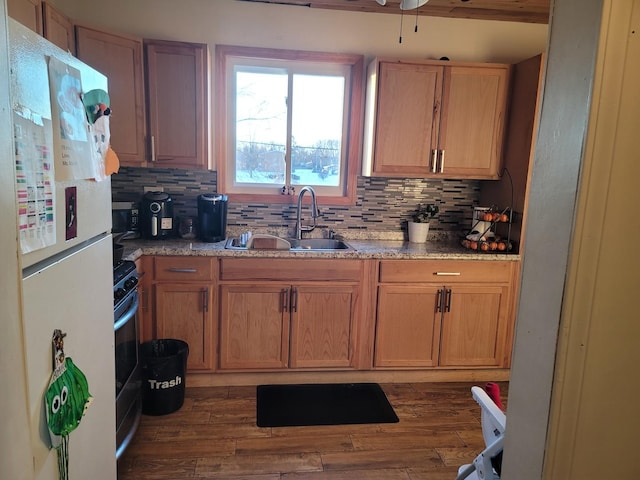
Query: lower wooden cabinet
(407,330)
(183,311)
(272,324)
(322,326)
(144,266)
(454,314)
(473,328)
(254,327)
(185,306)
(284,314)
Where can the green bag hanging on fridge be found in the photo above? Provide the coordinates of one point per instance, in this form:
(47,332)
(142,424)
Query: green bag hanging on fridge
(67,399)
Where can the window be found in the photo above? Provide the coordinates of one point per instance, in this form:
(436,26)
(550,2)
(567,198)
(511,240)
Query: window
(288,119)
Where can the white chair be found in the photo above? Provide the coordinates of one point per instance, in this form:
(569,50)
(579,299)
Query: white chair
(494,423)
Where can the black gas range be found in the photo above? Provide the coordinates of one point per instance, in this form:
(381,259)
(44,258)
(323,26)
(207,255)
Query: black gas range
(125,280)
(127,351)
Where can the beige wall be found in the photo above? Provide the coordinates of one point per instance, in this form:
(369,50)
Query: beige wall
(280,26)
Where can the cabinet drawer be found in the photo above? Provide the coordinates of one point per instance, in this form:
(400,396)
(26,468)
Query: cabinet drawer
(182,268)
(445,271)
(290,270)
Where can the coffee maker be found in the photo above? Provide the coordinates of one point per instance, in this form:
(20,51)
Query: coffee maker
(156,215)
(212,217)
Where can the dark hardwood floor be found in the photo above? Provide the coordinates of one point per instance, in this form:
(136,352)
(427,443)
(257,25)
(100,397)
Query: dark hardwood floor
(214,435)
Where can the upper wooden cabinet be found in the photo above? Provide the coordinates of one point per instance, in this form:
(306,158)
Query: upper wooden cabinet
(58,28)
(44,19)
(435,119)
(177,104)
(169,129)
(28,13)
(119,57)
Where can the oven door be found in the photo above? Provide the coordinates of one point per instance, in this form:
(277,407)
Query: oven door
(128,375)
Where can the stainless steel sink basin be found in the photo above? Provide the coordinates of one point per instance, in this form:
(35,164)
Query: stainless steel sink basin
(304,245)
(319,244)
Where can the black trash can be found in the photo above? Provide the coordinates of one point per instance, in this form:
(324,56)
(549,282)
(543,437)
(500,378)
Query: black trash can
(164,365)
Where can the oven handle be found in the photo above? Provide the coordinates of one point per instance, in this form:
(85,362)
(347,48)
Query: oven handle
(128,315)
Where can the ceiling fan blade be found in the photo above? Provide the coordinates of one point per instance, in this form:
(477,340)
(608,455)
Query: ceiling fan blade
(411,4)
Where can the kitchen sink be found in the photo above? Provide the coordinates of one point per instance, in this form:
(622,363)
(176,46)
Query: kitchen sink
(316,244)
(303,245)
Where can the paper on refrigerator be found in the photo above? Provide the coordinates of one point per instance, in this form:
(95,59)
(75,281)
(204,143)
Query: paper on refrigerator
(35,183)
(74,158)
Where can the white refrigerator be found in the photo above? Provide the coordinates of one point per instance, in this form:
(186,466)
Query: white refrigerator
(66,257)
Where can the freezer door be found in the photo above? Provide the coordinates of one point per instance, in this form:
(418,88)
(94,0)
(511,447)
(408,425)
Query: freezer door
(74,294)
(28,55)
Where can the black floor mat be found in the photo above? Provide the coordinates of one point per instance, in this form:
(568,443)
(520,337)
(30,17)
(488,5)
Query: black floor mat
(322,404)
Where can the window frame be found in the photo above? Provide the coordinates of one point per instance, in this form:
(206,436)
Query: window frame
(353,118)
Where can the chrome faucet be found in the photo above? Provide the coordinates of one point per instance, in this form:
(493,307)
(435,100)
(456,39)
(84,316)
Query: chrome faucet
(314,212)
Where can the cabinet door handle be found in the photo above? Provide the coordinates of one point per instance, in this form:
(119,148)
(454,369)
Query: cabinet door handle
(448,295)
(284,300)
(434,162)
(447,274)
(294,299)
(153,148)
(439,301)
(441,161)
(205,299)
(182,270)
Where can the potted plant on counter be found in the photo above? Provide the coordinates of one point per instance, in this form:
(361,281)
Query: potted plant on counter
(419,226)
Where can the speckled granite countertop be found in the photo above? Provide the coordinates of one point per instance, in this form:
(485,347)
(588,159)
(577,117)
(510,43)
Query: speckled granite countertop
(364,249)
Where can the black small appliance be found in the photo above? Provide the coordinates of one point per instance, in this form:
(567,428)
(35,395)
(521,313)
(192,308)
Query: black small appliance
(212,217)
(156,215)
(124,218)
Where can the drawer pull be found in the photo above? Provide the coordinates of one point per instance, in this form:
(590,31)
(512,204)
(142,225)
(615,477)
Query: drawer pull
(294,299)
(447,274)
(284,300)
(205,299)
(182,270)
(153,148)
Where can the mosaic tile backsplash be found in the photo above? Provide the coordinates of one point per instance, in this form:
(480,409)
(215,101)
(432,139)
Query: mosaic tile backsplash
(382,205)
